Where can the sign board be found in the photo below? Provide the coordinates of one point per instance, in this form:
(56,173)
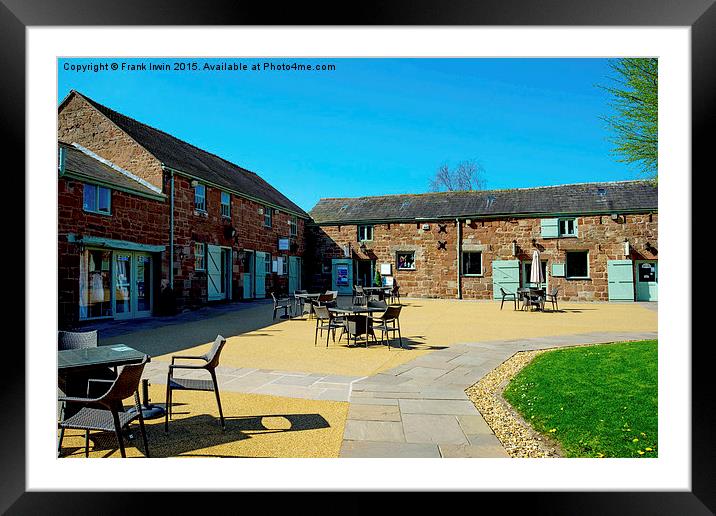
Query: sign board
(279,266)
(386,269)
(283,244)
(274,266)
(342,275)
(387,281)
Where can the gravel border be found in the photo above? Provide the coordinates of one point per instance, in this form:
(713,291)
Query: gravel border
(516,435)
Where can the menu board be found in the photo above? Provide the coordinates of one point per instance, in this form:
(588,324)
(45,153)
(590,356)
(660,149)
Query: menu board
(342,276)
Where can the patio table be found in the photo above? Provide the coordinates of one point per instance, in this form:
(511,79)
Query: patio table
(73,360)
(532,297)
(358,314)
(306,298)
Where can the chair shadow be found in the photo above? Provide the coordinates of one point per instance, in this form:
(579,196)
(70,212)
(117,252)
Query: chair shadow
(188,435)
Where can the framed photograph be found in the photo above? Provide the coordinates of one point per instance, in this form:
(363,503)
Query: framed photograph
(40,36)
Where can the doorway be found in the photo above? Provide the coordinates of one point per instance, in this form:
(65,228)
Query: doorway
(248,283)
(133,281)
(647,279)
(527,272)
(218,272)
(365,272)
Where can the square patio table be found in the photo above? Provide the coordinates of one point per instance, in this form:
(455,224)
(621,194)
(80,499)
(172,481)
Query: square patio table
(358,311)
(307,297)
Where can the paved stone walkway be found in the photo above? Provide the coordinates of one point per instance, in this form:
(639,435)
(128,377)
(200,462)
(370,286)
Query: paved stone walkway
(418,409)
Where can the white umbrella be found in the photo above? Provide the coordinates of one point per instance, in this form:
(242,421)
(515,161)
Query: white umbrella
(536,270)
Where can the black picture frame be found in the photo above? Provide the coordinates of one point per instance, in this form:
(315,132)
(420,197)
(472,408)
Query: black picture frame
(17,15)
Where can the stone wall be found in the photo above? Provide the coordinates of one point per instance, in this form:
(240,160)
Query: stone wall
(436,275)
(134,218)
(79,122)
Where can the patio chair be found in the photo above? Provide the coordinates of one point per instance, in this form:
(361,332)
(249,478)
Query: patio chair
(327,320)
(299,302)
(377,304)
(281,304)
(211,359)
(106,413)
(359,297)
(333,293)
(395,294)
(388,322)
(75,383)
(508,295)
(551,297)
(325,300)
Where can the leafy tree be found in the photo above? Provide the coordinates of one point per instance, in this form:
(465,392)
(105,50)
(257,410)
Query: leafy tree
(467,175)
(377,280)
(634,117)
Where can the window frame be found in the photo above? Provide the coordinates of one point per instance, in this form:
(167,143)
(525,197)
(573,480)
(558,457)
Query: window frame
(564,220)
(472,275)
(365,226)
(397,261)
(268,263)
(268,213)
(201,255)
(226,205)
(97,190)
(566,265)
(196,189)
(293,226)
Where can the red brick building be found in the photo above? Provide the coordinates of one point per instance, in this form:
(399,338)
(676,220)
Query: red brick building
(228,234)
(597,241)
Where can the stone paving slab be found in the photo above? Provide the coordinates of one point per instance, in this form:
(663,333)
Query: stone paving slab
(374,412)
(385,431)
(453,451)
(423,406)
(428,428)
(369,449)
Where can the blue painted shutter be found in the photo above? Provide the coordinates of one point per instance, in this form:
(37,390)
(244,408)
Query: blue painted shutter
(620,277)
(558,270)
(505,274)
(213,272)
(260,275)
(550,228)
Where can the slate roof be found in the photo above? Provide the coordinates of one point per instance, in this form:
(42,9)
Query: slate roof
(185,157)
(82,164)
(619,196)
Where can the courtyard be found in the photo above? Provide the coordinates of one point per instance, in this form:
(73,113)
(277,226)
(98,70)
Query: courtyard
(285,396)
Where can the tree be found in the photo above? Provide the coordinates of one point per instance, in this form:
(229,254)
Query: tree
(377,279)
(467,175)
(635,108)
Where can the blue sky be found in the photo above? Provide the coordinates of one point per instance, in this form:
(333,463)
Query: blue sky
(377,126)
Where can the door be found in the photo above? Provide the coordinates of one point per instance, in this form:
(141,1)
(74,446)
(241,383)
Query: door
(249,275)
(506,275)
(143,284)
(123,285)
(261,274)
(294,274)
(364,273)
(213,272)
(620,280)
(647,278)
(342,276)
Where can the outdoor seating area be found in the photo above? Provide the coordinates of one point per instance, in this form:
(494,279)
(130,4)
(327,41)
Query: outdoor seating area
(277,366)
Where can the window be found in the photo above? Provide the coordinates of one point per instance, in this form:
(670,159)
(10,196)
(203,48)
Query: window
(293,225)
(285,265)
(405,260)
(225,205)
(365,233)
(268,265)
(577,264)
(199,256)
(268,216)
(472,263)
(97,199)
(567,227)
(200,197)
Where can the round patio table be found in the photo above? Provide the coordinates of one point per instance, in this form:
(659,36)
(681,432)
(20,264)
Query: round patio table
(359,314)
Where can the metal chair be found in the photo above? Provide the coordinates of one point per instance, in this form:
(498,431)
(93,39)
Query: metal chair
(359,297)
(327,320)
(395,294)
(551,297)
(388,322)
(211,359)
(299,302)
(508,295)
(281,304)
(105,412)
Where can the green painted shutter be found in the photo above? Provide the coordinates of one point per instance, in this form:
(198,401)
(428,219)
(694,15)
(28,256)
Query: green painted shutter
(213,272)
(505,274)
(260,275)
(620,276)
(292,274)
(550,228)
(558,270)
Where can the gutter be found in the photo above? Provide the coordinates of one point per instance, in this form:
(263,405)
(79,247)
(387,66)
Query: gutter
(171,230)
(459,258)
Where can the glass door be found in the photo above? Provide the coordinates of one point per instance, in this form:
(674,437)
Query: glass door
(143,283)
(122,285)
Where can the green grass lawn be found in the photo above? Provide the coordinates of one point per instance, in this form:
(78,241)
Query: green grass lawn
(597,401)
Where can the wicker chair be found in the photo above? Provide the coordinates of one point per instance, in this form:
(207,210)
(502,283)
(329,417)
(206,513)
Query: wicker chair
(552,298)
(377,304)
(326,320)
(105,412)
(508,295)
(299,303)
(211,359)
(388,322)
(359,297)
(395,294)
(281,304)
(77,383)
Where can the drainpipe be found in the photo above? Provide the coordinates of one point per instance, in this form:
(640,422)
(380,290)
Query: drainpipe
(171,230)
(459,259)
